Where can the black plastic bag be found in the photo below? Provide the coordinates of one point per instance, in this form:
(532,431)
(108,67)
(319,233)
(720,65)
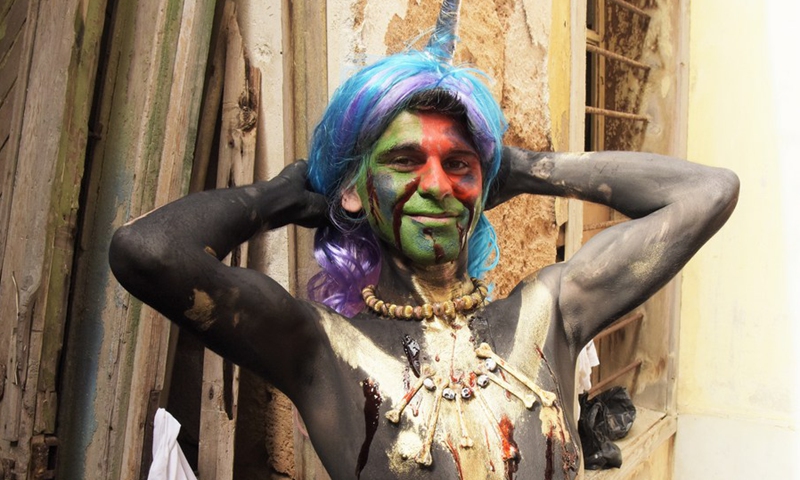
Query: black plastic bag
(606,417)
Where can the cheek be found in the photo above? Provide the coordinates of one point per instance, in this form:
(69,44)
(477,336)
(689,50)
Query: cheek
(468,189)
(383,192)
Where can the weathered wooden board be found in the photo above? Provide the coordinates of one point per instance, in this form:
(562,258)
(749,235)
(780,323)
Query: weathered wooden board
(56,56)
(145,122)
(9,65)
(309,28)
(235,167)
(5,127)
(11,25)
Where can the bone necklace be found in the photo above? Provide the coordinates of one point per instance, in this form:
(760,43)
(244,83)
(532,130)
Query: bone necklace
(454,393)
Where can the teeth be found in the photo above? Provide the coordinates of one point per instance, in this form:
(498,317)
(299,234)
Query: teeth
(547,398)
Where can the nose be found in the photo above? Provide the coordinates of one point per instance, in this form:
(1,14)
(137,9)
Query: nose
(434,180)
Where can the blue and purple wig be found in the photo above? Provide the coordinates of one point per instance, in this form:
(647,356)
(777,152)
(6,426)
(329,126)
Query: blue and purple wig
(357,115)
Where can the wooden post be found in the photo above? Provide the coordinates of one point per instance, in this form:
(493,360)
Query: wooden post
(144,125)
(310,34)
(236,166)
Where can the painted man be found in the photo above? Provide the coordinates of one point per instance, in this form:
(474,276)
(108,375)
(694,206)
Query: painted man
(401,368)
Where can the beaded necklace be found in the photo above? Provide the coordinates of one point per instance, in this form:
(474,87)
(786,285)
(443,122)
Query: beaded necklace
(446,310)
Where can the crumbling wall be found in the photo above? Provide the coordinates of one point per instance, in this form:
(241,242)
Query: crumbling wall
(654,92)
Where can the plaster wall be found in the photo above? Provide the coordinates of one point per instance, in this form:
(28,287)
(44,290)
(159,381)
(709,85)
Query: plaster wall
(738,369)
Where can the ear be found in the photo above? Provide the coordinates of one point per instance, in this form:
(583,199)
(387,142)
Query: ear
(351,202)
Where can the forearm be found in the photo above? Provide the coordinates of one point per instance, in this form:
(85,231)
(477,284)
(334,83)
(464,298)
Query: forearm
(633,183)
(214,221)
(166,255)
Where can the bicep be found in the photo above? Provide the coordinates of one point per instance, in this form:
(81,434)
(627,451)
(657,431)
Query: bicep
(624,265)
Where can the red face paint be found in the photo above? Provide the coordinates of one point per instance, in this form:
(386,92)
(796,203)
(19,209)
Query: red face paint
(423,187)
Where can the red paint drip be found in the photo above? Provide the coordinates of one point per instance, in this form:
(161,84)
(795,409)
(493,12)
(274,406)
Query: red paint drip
(503,376)
(569,457)
(456,457)
(397,219)
(438,250)
(374,201)
(438,253)
(372,404)
(548,455)
(488,450)
(511,455)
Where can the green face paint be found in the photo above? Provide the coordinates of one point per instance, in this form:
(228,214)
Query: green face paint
(421,187)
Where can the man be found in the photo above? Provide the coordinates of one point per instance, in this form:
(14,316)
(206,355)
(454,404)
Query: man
(427,379)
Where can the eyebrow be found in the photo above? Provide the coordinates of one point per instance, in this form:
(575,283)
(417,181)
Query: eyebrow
(413,146)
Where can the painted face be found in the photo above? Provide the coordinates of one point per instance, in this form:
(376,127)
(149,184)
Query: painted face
(421,187)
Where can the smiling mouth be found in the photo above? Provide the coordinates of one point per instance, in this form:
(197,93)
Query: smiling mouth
(435,218)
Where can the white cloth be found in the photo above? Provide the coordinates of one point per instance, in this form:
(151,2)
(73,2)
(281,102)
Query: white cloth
(169,463)
(586,360)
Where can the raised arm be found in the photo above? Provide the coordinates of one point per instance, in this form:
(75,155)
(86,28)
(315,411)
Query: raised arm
(170,259)
(675,207)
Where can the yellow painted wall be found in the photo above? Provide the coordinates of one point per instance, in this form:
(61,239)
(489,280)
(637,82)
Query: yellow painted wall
(738,369)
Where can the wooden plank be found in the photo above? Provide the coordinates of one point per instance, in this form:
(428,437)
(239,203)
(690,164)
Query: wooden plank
(147,113)
(212,99)
(104,330)
(11,25)
(6,108)
(9,65)
(177,149)
(310,78)
(9,160)
(649,432)
(50,153)
(236,166)
(309,24)
(132,351)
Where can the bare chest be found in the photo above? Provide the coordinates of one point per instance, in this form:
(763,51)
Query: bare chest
(446,402)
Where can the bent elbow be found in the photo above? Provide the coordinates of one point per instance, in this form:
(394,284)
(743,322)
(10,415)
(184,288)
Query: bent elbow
(722,194)
(134,259)
(727,191)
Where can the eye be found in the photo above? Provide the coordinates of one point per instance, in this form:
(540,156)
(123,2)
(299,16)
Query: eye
(458,165)
(404,163)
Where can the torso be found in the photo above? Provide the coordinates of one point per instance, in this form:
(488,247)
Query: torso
(384,420)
